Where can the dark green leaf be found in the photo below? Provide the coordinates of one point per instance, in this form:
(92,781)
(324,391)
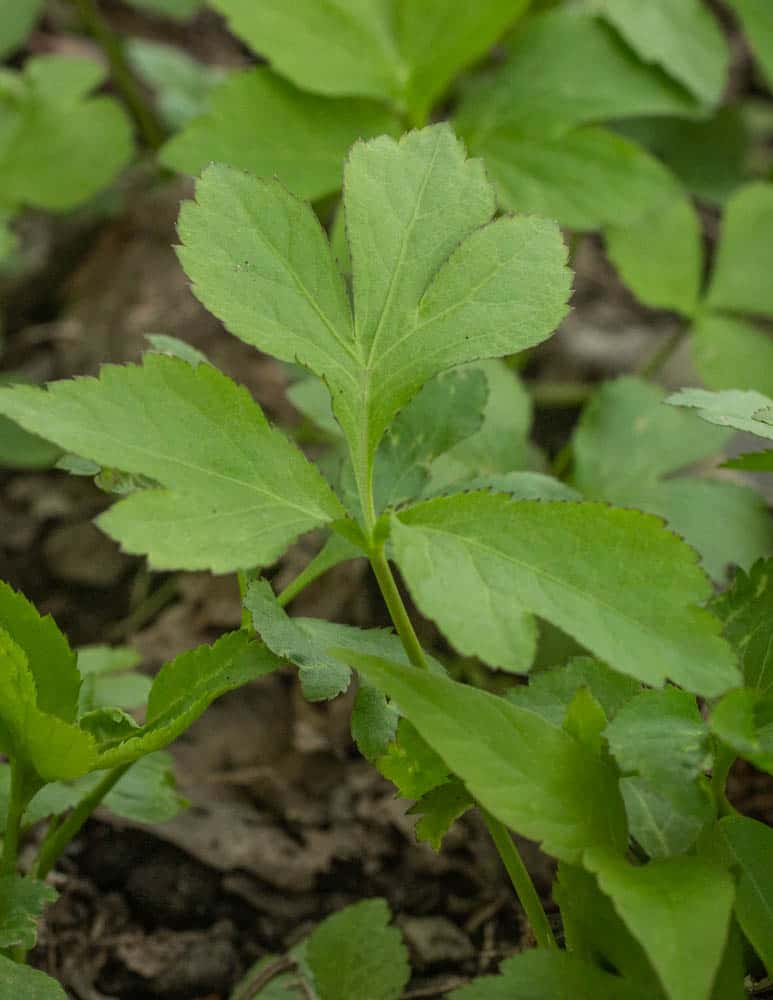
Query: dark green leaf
(750,845)
(439,808)
(747,612)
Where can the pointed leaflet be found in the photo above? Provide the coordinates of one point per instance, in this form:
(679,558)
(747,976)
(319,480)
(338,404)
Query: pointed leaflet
(732,353)
(236,491)
(532,776)
(679,910)
(747,612)
(541,974)
(259,122)
(627,446)
(21,904)
(432,289)
(741,278)
(479,564)
(749,845)
(683,38)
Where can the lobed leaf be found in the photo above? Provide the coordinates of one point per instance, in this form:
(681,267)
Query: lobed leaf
(439,808)
(480,565)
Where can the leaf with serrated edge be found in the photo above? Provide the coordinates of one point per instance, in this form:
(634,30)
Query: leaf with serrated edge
(534,777)
(480,564)
(235,491)
(746,609)
(730,408)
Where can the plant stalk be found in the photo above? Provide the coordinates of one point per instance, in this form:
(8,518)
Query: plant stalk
(522,883)
(652,365)
(394,603)
(16,805)
(59,837)
(148,123)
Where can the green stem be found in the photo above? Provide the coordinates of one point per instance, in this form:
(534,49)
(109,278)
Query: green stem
(522,883)
(17,803)
(59,837)
(149,125)
(652,365)
(723,762)
(394,603)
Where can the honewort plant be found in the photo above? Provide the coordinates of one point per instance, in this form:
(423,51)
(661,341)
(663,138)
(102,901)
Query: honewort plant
(614,761)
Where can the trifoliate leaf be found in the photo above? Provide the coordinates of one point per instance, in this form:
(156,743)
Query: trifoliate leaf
(741,277)
(25,983)
(443,287)
(679,909)
(538,974)
(439,809)
(532,776)
(50,120)
(743,411)
(258,122)
(747,612)
(50,660)
(743,719)
(683,38)
(660,256)
(22,901)
(550,692)
(732,353)
(585,178)
(356,954)
(17,19)
(236,491)
(757,20)
(666,820)
(749,845)
(615,580)
(627,447)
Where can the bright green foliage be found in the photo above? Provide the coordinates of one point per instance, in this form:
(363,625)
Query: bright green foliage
(440,291)
(355,953)
(534,777)
(732,353)
(537,975)
(743,719)
(666,820)
(563,562)
(182,85)
(21,903)
(439,808)
(747,612)
(660,256)
(245,490)
(24,983)
(550,692)
(411,764)
(108,678)
(749,845)
(683,38)
(259,122)
(180,10)
(741,279)
(58,146)
(679,910)
(17,19)
(757,20)
(742,410)
(374,722)
(402,52)
(627,447)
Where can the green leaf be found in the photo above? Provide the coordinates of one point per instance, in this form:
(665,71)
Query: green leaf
(356,953)
(732,353)
(439,809)
(660,256)
(741,278)
(585,178)
(179,10)
(236,491)
(480,564)
(743,719)
(374,722)
(666,819)
(44,743)
(181,692)
(411,764)
(444,413)
(181,85)
(750,844)
(534,777)
(627,447)
(260,123)
(108,678)
(22,901)
(550,692)
(757,20)
(594,931)
(25,983)
(683,38)
(50,660)
(147,792)
(747,612)
(17,19)
(546,86)
(538,974)
(440,291)
(756,461)
(730,982)
(743,411)
(51,121)
(400,52)
(20,450)
(679,909)
(660,735)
